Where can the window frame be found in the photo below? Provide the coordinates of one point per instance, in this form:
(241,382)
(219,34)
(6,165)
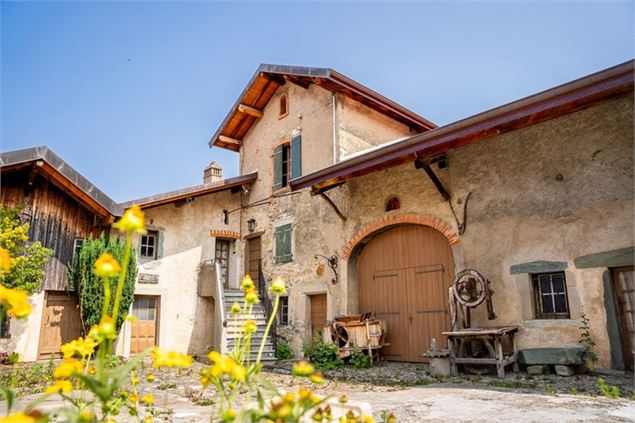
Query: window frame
(539,296)
(283,311)
(77,246)
(155,246)
(283,98)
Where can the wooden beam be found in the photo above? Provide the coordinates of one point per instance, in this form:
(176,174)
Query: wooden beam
(230,141)
(251,111)
(333,206)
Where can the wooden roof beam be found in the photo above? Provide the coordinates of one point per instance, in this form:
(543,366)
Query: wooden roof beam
(229,141)
(251,111)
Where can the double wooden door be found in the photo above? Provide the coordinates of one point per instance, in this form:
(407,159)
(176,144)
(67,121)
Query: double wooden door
(403,277)
(60,323)
(624,291)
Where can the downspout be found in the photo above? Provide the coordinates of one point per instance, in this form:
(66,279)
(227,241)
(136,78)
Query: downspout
(336,143)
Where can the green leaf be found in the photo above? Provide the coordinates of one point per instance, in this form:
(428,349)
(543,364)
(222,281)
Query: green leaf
(9,396)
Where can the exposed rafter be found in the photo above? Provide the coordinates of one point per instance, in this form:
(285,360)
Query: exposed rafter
(251,111)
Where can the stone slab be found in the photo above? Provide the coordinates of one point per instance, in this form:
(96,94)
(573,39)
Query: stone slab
(535,370)
(566,356)
(612,258)
(540,266)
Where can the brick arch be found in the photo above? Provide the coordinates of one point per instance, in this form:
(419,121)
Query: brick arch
(400,219)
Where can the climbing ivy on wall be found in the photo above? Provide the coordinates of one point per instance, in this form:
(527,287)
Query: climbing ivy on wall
(90,288)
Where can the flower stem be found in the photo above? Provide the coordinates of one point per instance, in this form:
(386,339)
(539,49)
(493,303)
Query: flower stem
(269,323)
(122,278)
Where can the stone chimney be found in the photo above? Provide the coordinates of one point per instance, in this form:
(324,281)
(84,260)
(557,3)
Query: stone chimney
(212,173)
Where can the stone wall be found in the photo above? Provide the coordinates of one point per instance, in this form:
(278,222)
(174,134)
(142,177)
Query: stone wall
(552,191)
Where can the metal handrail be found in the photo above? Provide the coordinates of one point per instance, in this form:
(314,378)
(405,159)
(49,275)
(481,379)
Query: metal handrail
(267,304)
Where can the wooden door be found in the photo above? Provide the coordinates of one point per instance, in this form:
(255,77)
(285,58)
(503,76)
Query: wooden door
(624,291)
(222,258)
(144,330)
(61,323)
(253,257)
(403,277)
(318,313)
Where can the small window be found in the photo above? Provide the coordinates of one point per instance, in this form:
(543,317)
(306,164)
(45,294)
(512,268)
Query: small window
(283,243)
(283,311)
(287,163)
(393,203)
(149,245)
(77,246)
(284,106)
(550,295)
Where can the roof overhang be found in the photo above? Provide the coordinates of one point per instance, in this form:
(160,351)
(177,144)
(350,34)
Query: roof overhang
(567,98)
(51,166)
(268,78)
(192,192)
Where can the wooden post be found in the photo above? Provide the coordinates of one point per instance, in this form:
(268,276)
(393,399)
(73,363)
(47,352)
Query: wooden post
(453,367)
(500,364)
(513,335)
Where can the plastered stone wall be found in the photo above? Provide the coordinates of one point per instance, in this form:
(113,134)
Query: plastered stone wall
(553,191)
(186,321)
(359,127)
(25,334)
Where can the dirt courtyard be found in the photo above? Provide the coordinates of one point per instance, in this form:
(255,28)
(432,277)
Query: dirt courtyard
(409,392)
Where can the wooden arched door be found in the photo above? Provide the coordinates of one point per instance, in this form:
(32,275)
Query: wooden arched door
(403,277)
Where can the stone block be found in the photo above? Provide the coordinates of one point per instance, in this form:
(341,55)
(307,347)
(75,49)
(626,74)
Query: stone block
(567,356)
(440,367)
(535,370)
(562,370)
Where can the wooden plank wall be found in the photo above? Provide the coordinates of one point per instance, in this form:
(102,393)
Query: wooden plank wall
(56,220)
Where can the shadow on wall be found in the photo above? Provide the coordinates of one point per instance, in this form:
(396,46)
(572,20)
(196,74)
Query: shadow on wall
(202,340)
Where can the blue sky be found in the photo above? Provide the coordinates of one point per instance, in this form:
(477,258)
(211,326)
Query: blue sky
(129,93)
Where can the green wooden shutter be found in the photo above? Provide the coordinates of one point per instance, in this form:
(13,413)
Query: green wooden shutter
(160,244)
(277,167)
(283,243)
(296,157)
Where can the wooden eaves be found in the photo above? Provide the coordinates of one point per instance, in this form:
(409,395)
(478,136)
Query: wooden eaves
(53,168)
(249,106)
(193,192)
(567,98)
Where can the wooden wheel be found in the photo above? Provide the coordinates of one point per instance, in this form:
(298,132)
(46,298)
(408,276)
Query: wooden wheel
(470,288)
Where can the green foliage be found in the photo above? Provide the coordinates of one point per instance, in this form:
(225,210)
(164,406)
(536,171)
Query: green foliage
(549,390)
(324,356)
(90,288)
(590,357)
(359,360)
(607,391)
(27,258)
(283,351)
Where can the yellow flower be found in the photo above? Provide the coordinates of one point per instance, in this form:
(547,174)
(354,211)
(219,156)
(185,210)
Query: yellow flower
(18,417)
(251,296)
(148,419)
(229,415)
(235,308)
(279,286)
(162,358)
(368,419)
(132,221)
(17,302)
(134,379)
(81,346)
(150,377)
(64,386)
(86,416)
(247,283)
(343,399)
(131,318)
(67,368)
(148,399)
(106,328)
(317,378)
(250,326)
(106,266)
(391,418)
(91,370)
(302,368)
(5,260)
(226,365)
(134,397)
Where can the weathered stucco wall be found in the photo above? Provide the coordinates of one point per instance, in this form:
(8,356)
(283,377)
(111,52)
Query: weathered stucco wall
(552,191)
(186,320)
(359,127)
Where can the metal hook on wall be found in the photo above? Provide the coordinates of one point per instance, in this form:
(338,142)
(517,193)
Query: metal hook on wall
(332,263)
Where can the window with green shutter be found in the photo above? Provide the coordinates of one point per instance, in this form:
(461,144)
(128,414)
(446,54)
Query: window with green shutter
(283,243)
(287,163)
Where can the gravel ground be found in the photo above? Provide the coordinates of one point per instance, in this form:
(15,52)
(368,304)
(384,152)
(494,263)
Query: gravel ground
(414,396)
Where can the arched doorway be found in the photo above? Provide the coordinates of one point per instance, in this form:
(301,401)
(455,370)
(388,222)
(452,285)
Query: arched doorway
(403,275)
